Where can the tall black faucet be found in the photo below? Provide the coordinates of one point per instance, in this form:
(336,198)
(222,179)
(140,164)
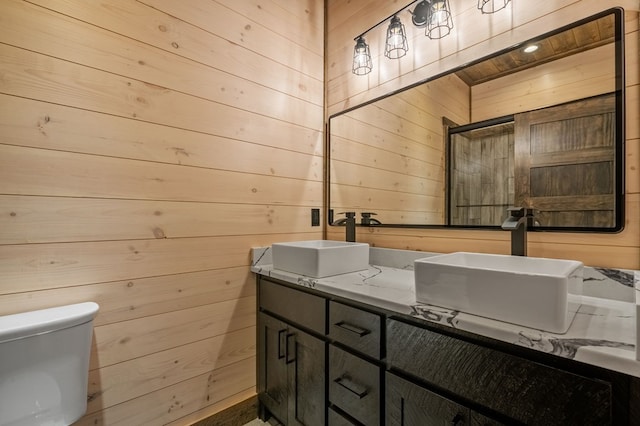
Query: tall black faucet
(350,222)
(520,218)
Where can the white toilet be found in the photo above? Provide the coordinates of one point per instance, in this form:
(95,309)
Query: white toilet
(44,365)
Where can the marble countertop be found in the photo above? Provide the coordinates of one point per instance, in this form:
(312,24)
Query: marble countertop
(603,333)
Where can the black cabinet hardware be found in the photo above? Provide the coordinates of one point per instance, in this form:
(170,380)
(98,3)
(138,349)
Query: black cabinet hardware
(353,328)
(351,386)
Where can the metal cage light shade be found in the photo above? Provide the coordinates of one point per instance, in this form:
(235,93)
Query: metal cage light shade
(491,6)
(439,20)
(361,58)
(396,45)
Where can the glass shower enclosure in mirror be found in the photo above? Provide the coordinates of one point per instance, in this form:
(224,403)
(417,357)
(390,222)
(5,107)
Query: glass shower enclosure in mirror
(542,130)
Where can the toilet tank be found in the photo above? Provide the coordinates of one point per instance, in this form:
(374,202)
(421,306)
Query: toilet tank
(44,365)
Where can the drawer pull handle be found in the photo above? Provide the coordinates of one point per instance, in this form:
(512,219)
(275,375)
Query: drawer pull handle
(281,343)
(354,388)
(352,328)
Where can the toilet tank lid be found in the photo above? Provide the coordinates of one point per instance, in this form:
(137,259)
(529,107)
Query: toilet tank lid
(18,326)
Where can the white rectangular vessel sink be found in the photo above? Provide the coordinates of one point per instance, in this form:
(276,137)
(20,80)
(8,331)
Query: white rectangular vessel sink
(320,258)
(529,291)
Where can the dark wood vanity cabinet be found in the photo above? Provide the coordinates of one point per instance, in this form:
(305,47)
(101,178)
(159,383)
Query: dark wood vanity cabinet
(324,360)
(408,404)
(513,388)
(291,362)
(289,383)
(411,405)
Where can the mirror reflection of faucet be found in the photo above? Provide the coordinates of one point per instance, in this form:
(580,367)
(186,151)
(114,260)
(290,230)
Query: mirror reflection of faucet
(350,222)
(519,219)
(367,220)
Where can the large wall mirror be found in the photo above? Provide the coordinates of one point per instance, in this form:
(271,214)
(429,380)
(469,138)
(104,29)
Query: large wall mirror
(542,129)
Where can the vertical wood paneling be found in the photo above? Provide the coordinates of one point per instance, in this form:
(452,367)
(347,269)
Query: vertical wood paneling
(475,36)
(145,147)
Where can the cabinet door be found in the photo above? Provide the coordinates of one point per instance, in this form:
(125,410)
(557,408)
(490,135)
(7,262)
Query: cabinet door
(305,357)
(408,404)
(272,379)
(511,386)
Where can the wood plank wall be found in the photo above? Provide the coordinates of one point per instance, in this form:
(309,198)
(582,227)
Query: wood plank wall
(475,36)
(560,81)
(145,147)
(388,157)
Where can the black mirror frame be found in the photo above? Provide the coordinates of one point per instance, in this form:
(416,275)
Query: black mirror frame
(619,46)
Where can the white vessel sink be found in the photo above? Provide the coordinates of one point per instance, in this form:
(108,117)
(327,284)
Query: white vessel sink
(320,258)
(534,292)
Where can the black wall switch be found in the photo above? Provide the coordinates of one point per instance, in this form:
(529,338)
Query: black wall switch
(315,217)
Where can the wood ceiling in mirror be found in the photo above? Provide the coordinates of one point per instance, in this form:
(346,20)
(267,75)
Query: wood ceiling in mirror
(578,39)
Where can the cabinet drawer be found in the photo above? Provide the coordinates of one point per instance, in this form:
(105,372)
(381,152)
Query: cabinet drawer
(336,419)
(353,327)
(523,390)
(354,386)
(297,306)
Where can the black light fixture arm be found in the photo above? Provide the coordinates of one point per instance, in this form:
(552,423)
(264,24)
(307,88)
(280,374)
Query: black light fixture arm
(385,20)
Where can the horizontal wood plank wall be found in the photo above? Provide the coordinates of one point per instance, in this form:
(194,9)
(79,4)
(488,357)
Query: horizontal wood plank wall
(388,157)
(561,81)
(145,147)
(476,35)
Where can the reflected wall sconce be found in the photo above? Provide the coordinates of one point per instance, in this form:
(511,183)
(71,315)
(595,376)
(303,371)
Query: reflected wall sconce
(492,6)
(434,15)
(396,45)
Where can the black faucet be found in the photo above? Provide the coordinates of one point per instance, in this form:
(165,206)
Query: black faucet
(367,220)
(520,218)
(350,222)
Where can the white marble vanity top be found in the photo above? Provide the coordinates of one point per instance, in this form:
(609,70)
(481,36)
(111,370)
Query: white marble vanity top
(603,332)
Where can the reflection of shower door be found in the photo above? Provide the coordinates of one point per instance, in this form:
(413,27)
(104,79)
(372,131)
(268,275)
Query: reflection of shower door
(481,170)
(565,163)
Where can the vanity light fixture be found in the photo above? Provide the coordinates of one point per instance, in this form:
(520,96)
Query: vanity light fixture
(434,15)
(439,20)
(492,6)
(362,64)
(420,13)
(396,45)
